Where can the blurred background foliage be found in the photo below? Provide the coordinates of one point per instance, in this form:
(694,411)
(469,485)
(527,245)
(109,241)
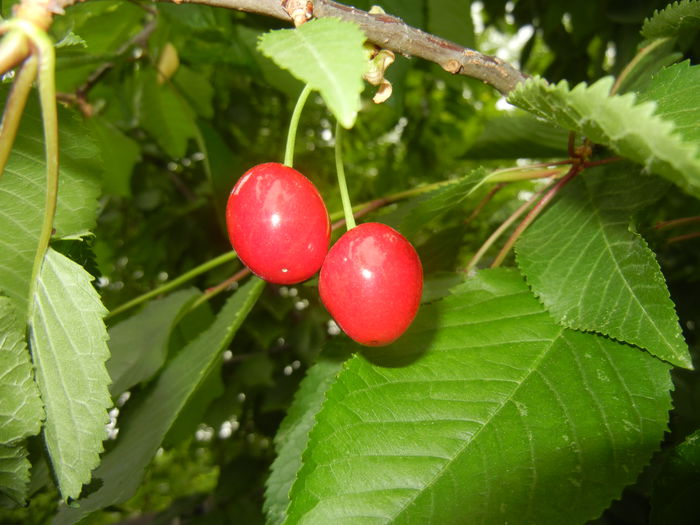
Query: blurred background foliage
(181,104)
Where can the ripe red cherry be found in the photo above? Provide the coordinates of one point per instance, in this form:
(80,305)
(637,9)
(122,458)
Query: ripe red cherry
(278,224)
(371,283)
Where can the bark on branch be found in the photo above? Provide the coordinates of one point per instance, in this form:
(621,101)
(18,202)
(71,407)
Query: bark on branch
(388,32)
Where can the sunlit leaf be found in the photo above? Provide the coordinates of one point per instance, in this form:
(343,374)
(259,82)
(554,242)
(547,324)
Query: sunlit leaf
(629,128)
(593,272)
(142,431)
(69,349)
(312,53)
(485,412)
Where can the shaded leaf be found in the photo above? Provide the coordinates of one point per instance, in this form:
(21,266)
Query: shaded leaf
(476,413)
(519,137)
(292,437)
(139,344)
(592,272)
(21,410)
(311,53)
(410,216)
(649,60)
(14,473)
(22,195)
(120,154)
(675,495)
(144,426)
(69,349)
(671,20)
(619,122)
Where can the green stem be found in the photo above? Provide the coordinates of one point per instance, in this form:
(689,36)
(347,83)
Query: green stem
(14,107)
(294,124)
(47,99)
(344,195)
(194,272)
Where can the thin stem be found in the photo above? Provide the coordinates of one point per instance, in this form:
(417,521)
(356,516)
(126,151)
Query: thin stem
(685,237)
(532,215)
(489,196)
(194,272)
(14,48)
(502,228)
(522,174)
(294,124)
(14,107)
(676,222)
(215,290)
(344,195)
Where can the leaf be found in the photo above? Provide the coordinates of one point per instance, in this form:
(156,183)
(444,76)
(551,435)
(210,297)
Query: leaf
(409,217)
(292,437)
(518,137)
(452,20)
(69,346)
(311,53)
(648,61)
(14,473)
(120,154)
(22,189)
(21,410)
(139,344)
(671,20)
(166,116)
(146,422)
(593,273)
(629,128)
(675,92)
(675,494)
(486,412)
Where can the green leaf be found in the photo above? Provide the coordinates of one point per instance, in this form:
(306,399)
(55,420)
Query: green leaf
(486,412)
(677,97)
(594,273)
(648,61)
(619,122)
(292,437)
(139,344)
(21,410)
(22,195)
(146,422)
(671,20)
(14,473)
(452,20)
(675,495)
(519,137)
(410,216)
(312,54)
(166,116)
(120,154)
(69,346)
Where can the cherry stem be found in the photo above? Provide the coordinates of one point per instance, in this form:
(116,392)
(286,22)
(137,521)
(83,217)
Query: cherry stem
(14,107)
(294,124)
(216,290)
(502,228)
(676,222)
(344,195)
(685,237)
(534,212)
(489,196)
(194,272)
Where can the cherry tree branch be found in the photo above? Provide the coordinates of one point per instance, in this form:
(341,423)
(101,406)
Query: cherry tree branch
(387,32)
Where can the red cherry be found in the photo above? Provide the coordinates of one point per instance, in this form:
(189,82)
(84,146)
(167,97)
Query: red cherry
(371,283)
(278,224)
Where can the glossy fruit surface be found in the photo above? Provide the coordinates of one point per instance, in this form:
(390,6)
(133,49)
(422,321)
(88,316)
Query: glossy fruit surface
(278,224)
(371,283)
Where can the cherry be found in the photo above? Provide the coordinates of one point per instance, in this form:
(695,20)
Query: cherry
(278,224)
(371,283)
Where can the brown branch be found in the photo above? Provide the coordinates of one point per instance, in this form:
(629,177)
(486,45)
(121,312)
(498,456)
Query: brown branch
(387,32)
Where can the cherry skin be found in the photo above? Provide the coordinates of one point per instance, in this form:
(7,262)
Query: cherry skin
(371,283)
(278,224)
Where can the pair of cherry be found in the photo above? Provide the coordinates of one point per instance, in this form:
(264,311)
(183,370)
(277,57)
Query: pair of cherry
(371,279)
